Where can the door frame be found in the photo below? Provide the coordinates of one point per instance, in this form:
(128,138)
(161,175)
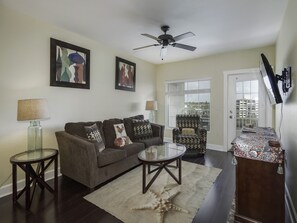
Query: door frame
(226,74)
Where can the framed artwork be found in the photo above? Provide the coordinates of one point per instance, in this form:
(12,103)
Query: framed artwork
(125,75)
(70,65)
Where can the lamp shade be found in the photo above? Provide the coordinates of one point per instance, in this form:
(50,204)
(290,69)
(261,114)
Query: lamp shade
(32,109)
(151,105)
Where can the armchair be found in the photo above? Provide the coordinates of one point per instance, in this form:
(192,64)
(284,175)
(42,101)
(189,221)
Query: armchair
(195,138)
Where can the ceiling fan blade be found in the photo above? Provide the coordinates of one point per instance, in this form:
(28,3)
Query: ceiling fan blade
(138,48)
(183,36)
(150,36)
(183,46)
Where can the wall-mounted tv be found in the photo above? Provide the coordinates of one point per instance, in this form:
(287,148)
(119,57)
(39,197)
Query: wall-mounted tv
(270,81)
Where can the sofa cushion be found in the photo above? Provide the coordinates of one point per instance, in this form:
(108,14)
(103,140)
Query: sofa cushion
(109,133)
(78,128)
(129,125)
(109,156)
(151,141)
(94,135)
(142,129)
(133,148)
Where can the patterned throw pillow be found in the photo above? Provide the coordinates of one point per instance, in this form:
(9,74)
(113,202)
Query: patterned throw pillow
(120,130)
(122,141)
(188,131)
(142,129)
(93,134)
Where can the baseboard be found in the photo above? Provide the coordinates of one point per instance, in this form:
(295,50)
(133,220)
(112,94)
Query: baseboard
(7,189)
(290,206)
(215,147)
(243,219)
(208,146)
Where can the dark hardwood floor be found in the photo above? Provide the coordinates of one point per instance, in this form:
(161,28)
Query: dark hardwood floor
(70,206)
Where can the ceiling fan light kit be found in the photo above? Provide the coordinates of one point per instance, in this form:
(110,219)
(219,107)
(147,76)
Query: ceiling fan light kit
(163,52)
(165,40)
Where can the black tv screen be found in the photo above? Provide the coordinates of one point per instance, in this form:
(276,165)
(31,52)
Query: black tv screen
(270,81)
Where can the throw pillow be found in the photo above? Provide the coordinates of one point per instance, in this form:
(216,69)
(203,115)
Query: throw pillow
(120,130)
(122,141)
(188,131)
(93,134)
(142,129)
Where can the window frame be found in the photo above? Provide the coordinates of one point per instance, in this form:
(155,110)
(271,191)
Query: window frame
(184,93)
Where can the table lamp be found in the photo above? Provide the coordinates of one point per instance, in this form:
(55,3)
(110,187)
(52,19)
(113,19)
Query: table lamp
(33,110)
(151,106)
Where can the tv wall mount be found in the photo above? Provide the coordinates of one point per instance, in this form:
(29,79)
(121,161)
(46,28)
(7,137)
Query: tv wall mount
(285,78)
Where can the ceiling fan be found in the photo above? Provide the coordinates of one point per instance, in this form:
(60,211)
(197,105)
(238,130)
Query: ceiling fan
(165,39)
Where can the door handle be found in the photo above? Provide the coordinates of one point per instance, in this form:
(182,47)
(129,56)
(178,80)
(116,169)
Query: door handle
(230,116)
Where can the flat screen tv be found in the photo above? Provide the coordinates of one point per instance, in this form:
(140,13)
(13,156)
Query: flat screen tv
(270,81)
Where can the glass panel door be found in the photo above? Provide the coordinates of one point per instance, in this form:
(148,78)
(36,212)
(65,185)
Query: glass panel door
(247,103)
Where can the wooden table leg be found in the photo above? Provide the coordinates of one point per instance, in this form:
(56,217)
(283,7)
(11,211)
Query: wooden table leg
(179,161)
(42,173)
(28,198)
(143,177)
(14,183)
(56,174)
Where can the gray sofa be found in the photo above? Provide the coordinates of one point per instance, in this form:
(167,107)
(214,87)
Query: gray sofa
(80,160)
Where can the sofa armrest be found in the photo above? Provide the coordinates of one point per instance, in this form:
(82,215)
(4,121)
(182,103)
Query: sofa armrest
(78,158)
(158,130)
(175,133)
(203,136)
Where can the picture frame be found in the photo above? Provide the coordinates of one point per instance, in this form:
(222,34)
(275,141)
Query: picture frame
(69,65)
(125,76)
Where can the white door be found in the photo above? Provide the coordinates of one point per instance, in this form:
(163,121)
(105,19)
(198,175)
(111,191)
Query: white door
(246,103)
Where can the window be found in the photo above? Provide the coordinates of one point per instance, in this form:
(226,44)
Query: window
(191,97)
(247,103)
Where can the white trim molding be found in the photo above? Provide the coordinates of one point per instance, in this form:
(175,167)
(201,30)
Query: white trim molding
(216,147)
(226,74)
(7,189)
(290,206)
(208,146)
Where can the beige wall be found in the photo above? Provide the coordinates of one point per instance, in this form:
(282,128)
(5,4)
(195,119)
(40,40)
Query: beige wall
(286,55)
(24,62)
(209,67)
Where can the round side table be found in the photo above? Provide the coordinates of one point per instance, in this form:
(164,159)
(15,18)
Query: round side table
(43,158)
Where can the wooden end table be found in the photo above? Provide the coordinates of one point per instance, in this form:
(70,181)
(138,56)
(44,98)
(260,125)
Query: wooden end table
(161,156)
(25,160)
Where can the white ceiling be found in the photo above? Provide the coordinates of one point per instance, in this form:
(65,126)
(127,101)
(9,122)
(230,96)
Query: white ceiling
(219,25)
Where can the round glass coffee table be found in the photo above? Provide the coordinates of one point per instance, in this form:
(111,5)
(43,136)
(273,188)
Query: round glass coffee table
(161,156)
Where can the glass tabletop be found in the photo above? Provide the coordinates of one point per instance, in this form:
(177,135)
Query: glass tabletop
(160,153)
(33,156)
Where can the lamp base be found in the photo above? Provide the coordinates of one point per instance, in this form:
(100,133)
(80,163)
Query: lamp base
(152,116)
(34,136)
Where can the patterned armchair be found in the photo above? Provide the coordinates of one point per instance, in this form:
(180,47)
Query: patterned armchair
(189,133)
